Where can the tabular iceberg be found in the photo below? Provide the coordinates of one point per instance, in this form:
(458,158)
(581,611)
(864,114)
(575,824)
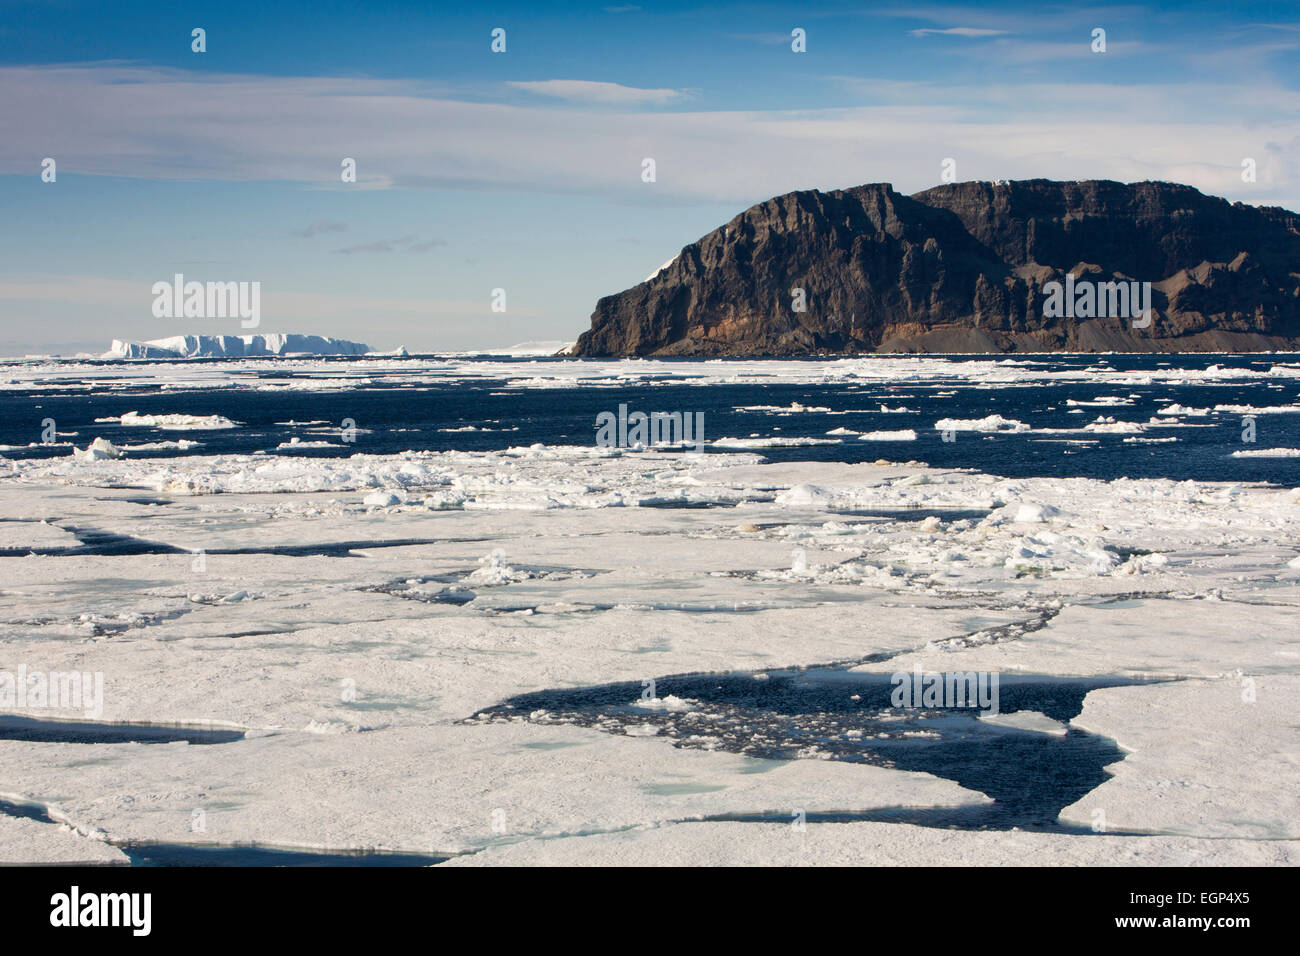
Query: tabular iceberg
(234,346)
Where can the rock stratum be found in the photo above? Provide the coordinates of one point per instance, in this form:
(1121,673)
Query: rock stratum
(962,268)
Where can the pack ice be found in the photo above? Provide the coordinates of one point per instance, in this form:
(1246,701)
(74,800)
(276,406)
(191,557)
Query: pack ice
(317,653)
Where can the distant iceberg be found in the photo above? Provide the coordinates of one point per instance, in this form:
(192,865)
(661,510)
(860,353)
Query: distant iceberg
(532,348)
(529,349)
(234,346)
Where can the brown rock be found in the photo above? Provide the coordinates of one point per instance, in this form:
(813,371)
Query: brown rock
(961,268)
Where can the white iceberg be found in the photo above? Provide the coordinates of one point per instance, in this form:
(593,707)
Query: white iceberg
(234,346)
(98,450)
(990,423)
(176,422)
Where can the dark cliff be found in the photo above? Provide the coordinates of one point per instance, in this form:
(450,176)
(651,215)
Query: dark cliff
(962,268)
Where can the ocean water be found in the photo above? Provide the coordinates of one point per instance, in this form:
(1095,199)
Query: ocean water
(833,713)
(398,406)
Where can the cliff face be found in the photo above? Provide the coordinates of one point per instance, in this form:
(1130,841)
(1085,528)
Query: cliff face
(962,268)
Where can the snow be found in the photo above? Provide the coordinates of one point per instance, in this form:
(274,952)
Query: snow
(1102,401)
(539,349)
(620,593)
(173,422)
(670,703)
(412,788)
(1109,425)
(1267,453)
(98,450)
(296,444)
(1029,512)
(660,269)
(772,442)
(23,840)
(926,372)
(1223,721)
(1258,410)
(792,408)
(902,434)
(721,844)
(435,584)
(990,423)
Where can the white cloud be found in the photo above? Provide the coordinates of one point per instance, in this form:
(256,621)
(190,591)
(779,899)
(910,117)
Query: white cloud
(957,32)
(593,91)
(1007,50)
(150,123)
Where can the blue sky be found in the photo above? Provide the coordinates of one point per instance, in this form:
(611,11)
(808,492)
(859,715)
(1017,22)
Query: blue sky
(522,170)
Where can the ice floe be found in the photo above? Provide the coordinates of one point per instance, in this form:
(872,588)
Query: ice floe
(348,616)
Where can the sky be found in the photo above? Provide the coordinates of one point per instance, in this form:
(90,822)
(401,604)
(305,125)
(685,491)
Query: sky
(522,170)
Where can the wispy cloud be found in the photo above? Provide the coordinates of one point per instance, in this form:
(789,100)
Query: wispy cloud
(119,121)
(595,91)
(1242,59)
(1006,50)
(1041,20)
(404,244)
(957,32)
(321,226)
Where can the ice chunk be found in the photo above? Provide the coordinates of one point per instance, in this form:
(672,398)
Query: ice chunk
(990,423)
(669,703)
(176,422)
(904,434)
(97,450)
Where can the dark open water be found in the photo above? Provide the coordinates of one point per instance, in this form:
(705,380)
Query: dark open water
(398,417)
